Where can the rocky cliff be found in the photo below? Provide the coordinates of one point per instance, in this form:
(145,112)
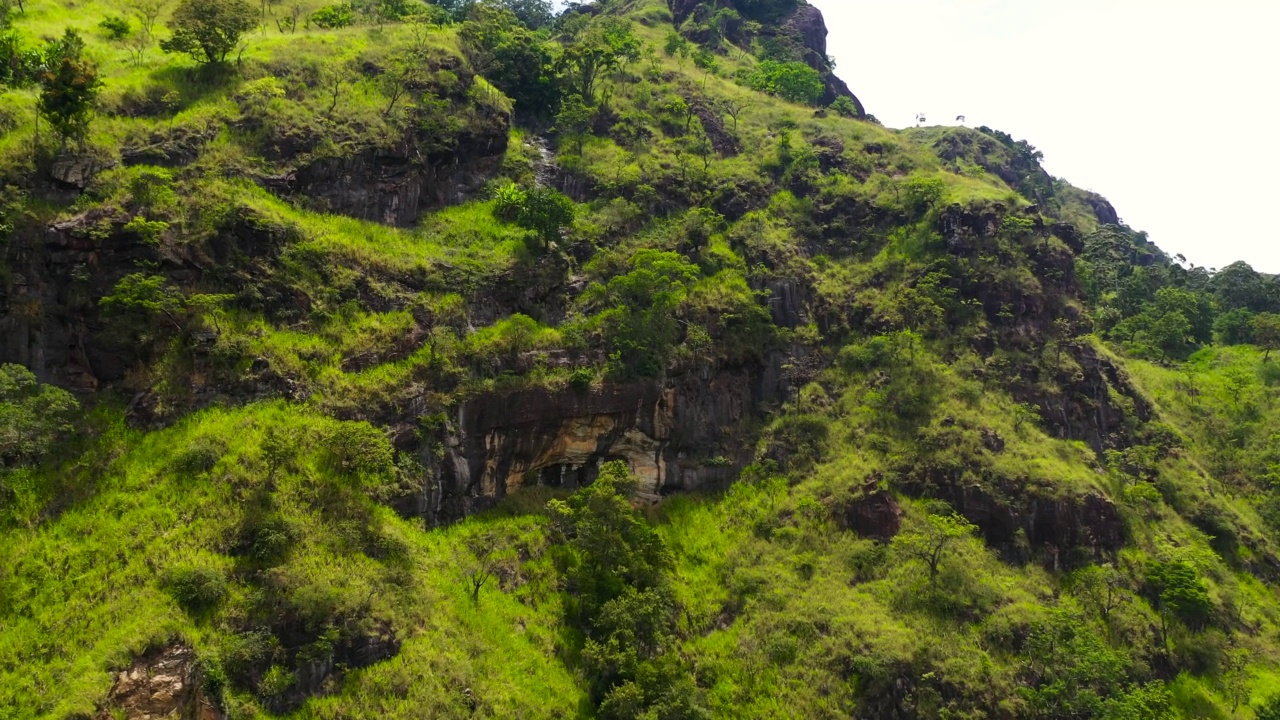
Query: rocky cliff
(793,24)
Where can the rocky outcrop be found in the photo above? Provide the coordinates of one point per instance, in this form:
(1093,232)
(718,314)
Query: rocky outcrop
(161,684)
(680,434)
(872,513)
(396,185)
(808,26)
(1065,528)
(797,24)
(1093,402)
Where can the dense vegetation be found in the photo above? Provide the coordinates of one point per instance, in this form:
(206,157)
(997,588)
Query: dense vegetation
(261,263)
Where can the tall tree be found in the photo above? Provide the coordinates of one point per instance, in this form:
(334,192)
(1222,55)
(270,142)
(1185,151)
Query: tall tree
(68,88)
(1266,332)
(208,30)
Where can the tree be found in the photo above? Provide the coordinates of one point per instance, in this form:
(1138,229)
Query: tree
(1234,327)
(611,547)
(533,13)
(1178,592)
(485,556)
(1170,332)
(208,30)
(619,573)
(933,542)
(1266,332)
(573,122)
(845,107)
(32,416)
(676,45)
(511,57)
(68,88)
(733,107)
(147,12)
(545,211)
(404,71)
(637,310)
(792,81)
(1100,589)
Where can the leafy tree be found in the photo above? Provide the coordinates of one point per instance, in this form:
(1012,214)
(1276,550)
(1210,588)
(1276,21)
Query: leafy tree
(611,548)
(149,308)
(1069,669)
(33,416)
(334,16)
(1238,285)
(638,310)
(619,569)
(208,30)
(115,27)
(68,88)
(485,555)
(1266,332)
(676,45)
(845,107)
(1179,592)
(924,193)
(1100,589)
(574,121)
(545,211)
(606,47)
(1170,332)
(1234,327)
(931,544)
(511,57)
(533,13)
(794,81)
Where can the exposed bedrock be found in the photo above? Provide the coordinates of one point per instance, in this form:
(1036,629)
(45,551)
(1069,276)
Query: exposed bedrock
(683,433)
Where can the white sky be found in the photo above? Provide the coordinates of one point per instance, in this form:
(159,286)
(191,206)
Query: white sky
(1166,107)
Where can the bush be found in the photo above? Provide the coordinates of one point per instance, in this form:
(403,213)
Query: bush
(197,588)
(844,107)
(115,27)
(334,16)
(792,81)
(542,210)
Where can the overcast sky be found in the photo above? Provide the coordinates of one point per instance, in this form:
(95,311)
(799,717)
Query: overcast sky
(1166,107)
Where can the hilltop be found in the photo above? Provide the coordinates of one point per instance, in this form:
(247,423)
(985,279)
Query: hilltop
(390,359)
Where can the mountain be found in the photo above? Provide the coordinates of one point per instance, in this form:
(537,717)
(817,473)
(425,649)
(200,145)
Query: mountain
(389,359)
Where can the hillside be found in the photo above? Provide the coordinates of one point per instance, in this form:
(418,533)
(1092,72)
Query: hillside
(390,359)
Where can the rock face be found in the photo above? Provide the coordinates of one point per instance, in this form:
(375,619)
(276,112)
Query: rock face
(808,25)
(797,23)
(396,185)
(679,434)
(162,684)
(874,513)
(47,308)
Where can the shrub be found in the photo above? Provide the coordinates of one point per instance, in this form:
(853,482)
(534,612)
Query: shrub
(792,81)
(334,16)
(197,588)
(115,27)
(844,107)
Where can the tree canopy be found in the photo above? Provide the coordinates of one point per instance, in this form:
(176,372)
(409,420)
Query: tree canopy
(208,30)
